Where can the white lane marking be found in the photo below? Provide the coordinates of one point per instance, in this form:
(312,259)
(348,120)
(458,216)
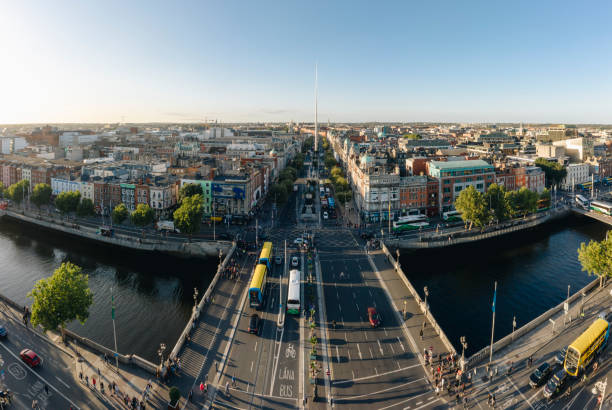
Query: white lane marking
(62,382)
(385,329)
(384,390)
(345,338)
(376,371)
(374,303)
(339,307)
(398,365)
(251,367)
(419,402)
(337,295)
(404,401)
(391,347)
(357,306)
(515,388)
(365,335)
(359,351)
(349,353)
(255,348)
(337,354)
(382,374)
(401,344)
(371,354)
(426,404)
(430,398)
(380,348)
(342,320)
(352,371)
(39,376)
(370,293)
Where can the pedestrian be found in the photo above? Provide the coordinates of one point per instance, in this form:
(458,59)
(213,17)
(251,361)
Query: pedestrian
(190,396)
(99,374)
(116,389)
(233,380)
(101,386)
(93,380)
(216,366)
(81,376)
(46,390)
(87,380)
(202,387)
(226,388)
(421,334)
(34,404)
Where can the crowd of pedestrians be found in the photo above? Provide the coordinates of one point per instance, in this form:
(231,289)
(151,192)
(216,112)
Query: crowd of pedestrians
(446,375)
(112,390)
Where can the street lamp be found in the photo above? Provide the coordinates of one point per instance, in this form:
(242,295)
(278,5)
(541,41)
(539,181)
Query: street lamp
(464,346)
(513,326)
(160,353)
(397,252)
(426,290)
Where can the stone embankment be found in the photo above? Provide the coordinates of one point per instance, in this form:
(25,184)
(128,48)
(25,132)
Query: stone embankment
(456,237)
(177,248)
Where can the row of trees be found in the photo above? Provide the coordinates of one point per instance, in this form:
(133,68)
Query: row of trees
(341,186)
(497,204)
(142,216)
(281,190)
(554,171)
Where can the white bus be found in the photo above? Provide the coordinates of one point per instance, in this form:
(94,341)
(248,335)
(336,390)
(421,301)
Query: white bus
(411,222)
(451,216)
(293,295)
(602,207)
(582,202)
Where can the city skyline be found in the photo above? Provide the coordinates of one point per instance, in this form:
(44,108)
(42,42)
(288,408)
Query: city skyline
(142,62)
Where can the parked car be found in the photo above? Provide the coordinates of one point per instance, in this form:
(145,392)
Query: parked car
(560,356)
(278,260)
(325,215)
(298,241)
(374,317)
(556,384)
(3,332)
(29,357)
(540,375)
(254,324)
(294,261)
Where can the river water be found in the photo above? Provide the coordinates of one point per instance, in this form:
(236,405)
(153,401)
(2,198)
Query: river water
(533,270)
(153,292)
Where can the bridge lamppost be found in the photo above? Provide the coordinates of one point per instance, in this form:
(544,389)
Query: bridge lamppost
(426,290)
(513,326)
(195,298)
(160,353)
(464,346)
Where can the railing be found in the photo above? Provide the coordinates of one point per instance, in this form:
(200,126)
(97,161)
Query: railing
(207,296)
(447,343)
(518,333)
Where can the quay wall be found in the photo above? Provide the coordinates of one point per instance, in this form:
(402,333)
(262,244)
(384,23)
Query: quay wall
(185,249)
(421,303)
(523,330)
(442,240)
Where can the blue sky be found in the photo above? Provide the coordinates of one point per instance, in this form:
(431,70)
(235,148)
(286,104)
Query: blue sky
(468,61)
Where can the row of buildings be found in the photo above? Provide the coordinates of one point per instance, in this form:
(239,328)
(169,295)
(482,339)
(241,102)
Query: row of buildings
(235,168)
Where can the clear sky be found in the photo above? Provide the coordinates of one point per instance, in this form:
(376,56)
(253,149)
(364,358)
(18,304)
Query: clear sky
(177,61)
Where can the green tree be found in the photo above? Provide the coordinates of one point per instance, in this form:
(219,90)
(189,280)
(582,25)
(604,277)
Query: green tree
(41,195)
(2,190)
(596,258)
(497,202)
(329,160)
(344,196)
(18,191)
(278,192)
(545,198)
(336,172)
(143,215)
(473,207)
(61,298)
(188,190)
(340,184)
(412,136)
(554,171)
(528,201)
(67,201)
(85,207)
(119,214)
(188,217)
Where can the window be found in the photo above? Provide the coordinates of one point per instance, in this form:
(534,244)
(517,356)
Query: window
(458,188)
(446,181)
(446,189)
(478,186)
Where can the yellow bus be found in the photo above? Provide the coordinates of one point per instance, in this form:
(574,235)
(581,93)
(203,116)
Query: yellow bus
(265,256)
(588,345)
(258,286)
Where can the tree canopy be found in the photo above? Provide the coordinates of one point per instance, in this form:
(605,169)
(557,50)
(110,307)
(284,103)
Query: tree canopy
(554,171)
(61,298)
(188,217)
(67,201)
(143,215)
(119,214)
(18,191)
(495,199)
(473,207)
(412,136)
(85,207)
(41,195)
(596,258)
(188,190)
(522,202)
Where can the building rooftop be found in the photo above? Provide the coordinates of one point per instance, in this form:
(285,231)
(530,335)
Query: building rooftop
(444,165)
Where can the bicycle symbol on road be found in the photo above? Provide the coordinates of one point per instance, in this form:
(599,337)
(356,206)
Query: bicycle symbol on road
(290,352)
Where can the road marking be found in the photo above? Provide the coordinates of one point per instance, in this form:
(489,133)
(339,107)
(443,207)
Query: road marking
(62,382)
(382,374)
(412,398)
(401,344)
(419,402)
(391,347)
(382,391)
(380,348)
(354,296)
(371,354)
(357,306)
(337,354)
(349,353)
(515,388)
(398,365)
(374,303)
(251,366)
(255,348)
(339,307)
(385,329)
(370,293)
(40,377)
(359,351)
(376,371)
(352,371)
(342,320)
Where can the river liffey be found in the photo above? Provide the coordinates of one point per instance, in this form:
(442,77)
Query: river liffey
(533,270)
(153,292)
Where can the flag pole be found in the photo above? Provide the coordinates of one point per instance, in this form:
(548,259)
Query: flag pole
(493,325)
(114,331)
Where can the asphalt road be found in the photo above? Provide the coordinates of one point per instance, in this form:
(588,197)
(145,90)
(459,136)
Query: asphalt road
(28,384)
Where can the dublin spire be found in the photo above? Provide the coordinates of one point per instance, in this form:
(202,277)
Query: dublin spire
(316,143)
